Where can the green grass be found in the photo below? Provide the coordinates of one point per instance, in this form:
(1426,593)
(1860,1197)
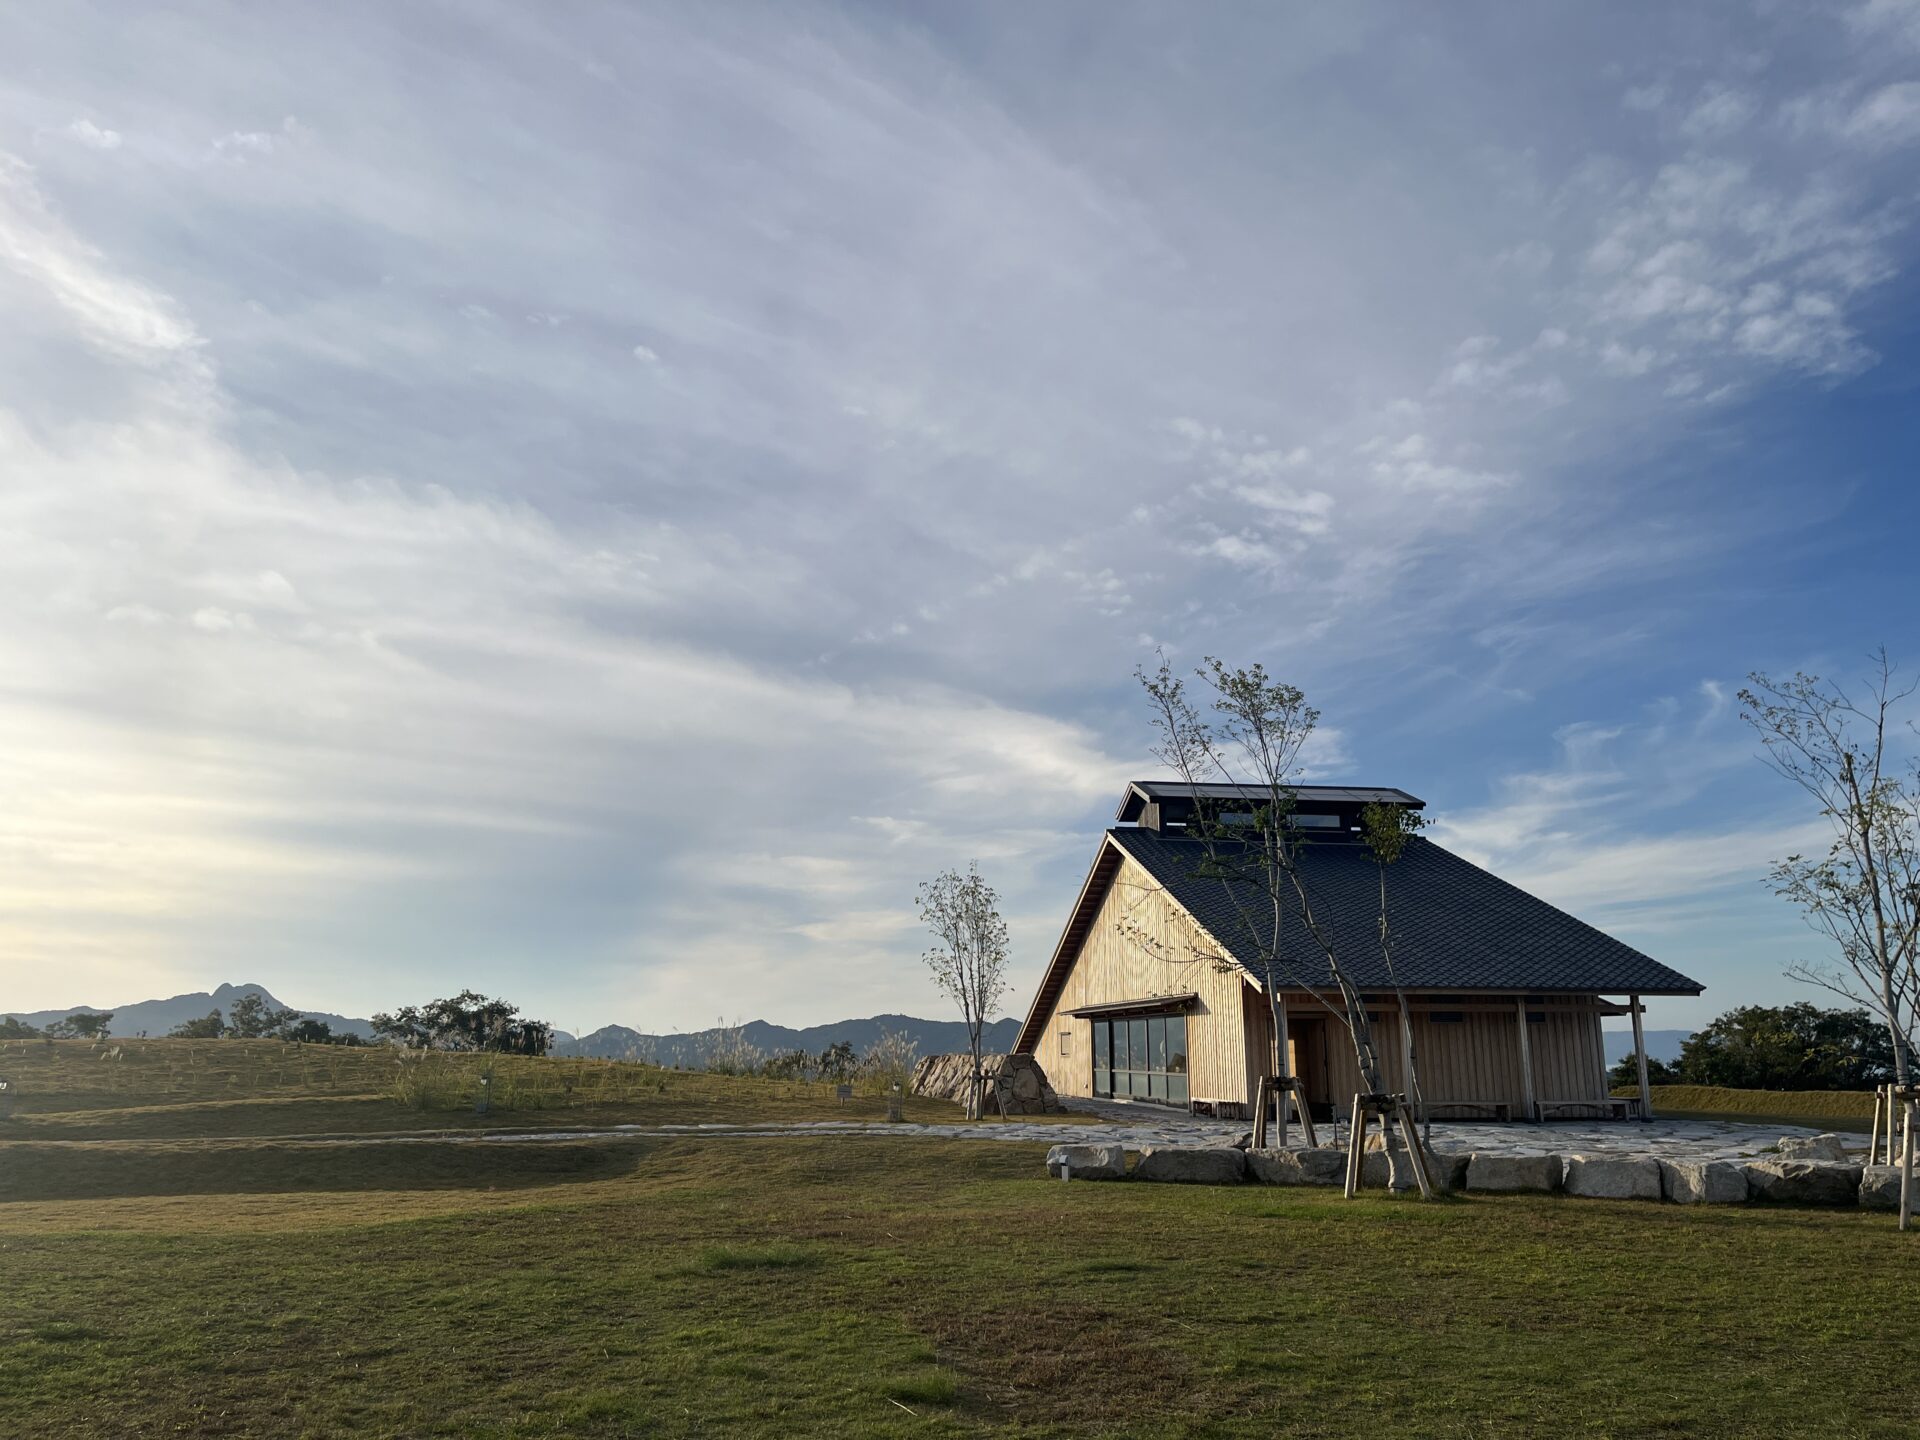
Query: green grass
(695,1286)
(72,1089)
(1829,1109)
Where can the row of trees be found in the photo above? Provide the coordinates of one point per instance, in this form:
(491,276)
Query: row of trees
(252,1018)
(81,1025)
(1778,1047)
(467,1021)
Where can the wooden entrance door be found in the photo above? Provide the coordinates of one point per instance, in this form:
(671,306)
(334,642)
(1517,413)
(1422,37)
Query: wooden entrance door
(1307,1048)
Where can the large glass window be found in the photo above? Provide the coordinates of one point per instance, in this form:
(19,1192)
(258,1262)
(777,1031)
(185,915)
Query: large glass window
(1177,1059)
(1141,1059)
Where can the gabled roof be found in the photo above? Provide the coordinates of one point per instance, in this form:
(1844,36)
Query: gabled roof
(1455,926)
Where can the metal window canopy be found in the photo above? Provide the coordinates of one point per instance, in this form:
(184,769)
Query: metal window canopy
(1147,1005)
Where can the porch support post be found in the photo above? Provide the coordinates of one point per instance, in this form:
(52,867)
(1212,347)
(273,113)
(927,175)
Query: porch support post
(1530,1107)
(1640,1059)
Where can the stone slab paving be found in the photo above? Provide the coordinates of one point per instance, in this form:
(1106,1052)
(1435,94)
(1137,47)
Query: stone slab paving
(1139,1126)
(1662,1139)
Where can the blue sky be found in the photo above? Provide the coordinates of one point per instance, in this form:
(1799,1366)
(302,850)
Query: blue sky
(595,503)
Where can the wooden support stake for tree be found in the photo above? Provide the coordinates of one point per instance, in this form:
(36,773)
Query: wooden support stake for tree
(1298,1089)
(1264,1094)
(1906,1161)
(1283,1058)
(1873,1135)
(1356,1146)
(1416,1153)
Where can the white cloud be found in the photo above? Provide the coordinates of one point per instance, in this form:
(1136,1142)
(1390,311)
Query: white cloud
(1889,116)
(1254,554)
(239,144)
(1897,21)
(93,136)
(1718,112)
(646,356)
(1410,463)
(1644,97)
(118,314)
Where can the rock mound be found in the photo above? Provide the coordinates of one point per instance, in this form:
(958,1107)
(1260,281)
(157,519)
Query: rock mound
(1022,1081)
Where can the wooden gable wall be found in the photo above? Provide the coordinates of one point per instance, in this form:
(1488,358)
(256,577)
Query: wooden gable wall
(1141,944)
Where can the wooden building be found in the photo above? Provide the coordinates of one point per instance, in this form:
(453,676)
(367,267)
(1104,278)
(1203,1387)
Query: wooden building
(1158,990)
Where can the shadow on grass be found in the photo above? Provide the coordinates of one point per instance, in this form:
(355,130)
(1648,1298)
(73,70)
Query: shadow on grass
(776,1256)
(931,1387)
(53,1171)
(1116,1267)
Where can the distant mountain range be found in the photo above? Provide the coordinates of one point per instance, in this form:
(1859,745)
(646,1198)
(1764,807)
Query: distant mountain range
(930,1037)
(611,1042)
(157,1017)
(1661,1044)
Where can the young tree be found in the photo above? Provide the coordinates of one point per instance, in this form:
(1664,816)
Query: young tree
(838,1062)
(1254,743)
(1863,893)
(970,962)
(1385,830)
(251,1018)
(406,1027)
(795,1064)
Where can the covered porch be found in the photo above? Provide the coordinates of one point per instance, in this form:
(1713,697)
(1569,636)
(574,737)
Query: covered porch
(1477,1055)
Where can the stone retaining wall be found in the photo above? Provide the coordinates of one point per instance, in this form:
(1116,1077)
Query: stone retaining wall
(1786,1180)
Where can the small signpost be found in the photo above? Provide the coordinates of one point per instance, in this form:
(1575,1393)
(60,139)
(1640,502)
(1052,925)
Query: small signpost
(843,1093)
(485,1097)
(6,1100)
(893,1103)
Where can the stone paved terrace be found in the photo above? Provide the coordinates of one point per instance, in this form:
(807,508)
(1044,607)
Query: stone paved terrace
(1137,1127)
(1664,1139)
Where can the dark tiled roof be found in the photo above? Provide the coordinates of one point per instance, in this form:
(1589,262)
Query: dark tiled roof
(1455,926)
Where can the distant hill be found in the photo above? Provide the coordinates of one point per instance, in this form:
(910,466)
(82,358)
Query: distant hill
(933,1037)
(157,1017)
(1661,1044)
(610,1042)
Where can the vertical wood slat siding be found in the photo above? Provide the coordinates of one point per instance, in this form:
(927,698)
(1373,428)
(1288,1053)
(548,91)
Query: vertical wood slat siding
(1113,965)
(1477,1058)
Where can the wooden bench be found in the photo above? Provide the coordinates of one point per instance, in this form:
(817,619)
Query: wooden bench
(1500,1109)
(1616,1107)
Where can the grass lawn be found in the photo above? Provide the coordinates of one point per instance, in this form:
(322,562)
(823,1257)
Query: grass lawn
(71,1089)
(1827,1109)
(706,1286)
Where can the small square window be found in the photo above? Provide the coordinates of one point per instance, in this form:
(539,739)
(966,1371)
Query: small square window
(1066,1040)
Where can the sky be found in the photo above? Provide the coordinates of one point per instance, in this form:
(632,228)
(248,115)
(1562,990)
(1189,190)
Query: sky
(595,503)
